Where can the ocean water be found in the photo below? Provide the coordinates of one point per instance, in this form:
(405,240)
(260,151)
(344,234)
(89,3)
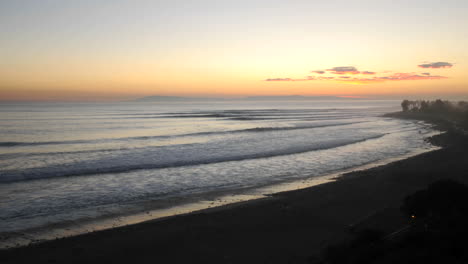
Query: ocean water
(68,162)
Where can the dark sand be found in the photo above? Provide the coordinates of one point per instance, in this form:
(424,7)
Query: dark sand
(290,227)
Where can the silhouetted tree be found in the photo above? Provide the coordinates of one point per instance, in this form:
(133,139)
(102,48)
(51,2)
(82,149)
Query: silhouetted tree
(405,105)
(438,106)
(424,106)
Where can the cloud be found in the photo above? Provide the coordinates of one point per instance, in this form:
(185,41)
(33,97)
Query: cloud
(344,70)
(368,72)
(410,77)
(319,78)
(279,80)
(308,78)
(350,74)
(349,79)
(393,77)
(362,80)
(436,65)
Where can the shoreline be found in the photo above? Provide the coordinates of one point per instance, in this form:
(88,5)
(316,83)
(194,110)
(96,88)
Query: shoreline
(292,225)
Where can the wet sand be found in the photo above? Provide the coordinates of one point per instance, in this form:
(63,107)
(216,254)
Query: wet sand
(288,227)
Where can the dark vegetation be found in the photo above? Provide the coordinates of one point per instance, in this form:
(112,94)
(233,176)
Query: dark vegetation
(451,117)
(437,106)
(445,113)
(436,233)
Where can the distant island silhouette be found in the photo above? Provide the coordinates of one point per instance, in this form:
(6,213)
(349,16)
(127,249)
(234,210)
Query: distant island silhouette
(161,98)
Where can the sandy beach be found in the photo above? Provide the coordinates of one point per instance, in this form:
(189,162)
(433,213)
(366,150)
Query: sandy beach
(288,227)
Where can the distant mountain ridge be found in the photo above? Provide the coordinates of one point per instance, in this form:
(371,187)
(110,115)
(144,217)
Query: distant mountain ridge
(158,98)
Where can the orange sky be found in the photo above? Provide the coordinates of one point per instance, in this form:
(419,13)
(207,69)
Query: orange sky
(94,51)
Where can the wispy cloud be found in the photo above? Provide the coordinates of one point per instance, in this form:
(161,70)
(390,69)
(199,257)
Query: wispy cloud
(279,80)
(361,80)
(395,77)
(350,74)
(308,78)
(411,77)
(436,65)
(344,70)
(368,72)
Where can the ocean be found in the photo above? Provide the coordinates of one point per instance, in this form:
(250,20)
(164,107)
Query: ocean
(64,164)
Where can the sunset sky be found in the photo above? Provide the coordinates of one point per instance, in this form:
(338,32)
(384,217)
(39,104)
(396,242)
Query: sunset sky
(118,50)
